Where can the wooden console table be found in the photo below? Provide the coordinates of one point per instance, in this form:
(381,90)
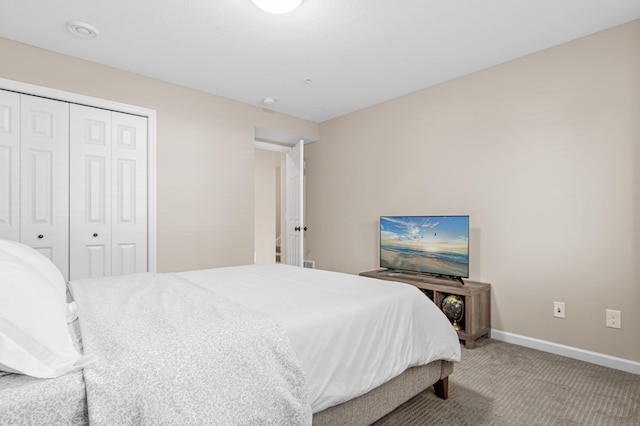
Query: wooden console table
(476,321)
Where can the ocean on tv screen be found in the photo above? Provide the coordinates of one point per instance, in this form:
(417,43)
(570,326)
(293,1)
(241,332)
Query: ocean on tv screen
(430,244)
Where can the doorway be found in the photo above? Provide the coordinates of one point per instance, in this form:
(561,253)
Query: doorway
(290,240)
(270,206)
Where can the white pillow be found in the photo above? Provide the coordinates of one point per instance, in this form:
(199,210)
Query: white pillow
(34,338)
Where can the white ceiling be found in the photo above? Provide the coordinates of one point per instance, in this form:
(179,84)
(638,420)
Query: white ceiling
(357,53)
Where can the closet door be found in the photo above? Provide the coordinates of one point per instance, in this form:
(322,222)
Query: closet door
(9,165)
(44,175)
(129,194)
(90,192)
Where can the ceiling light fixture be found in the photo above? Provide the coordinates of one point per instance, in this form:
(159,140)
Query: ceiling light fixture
(82,29)
(277,6)
(268,101)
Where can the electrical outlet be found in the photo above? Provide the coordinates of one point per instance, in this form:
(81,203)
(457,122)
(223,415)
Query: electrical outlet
(558,309)
(614,318)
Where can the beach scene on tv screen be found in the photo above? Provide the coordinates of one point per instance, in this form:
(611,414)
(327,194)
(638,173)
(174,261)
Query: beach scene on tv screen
(433,244)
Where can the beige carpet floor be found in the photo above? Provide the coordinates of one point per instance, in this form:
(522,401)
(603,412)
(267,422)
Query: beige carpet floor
(499,383)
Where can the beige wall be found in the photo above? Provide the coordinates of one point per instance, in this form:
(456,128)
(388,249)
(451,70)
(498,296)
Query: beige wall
(542,153)
(205,153)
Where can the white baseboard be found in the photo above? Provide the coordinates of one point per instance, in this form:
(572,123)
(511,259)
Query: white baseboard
(568,351)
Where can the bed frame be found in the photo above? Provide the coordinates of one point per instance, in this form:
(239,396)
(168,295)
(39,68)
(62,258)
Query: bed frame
(372,406)
(28,400)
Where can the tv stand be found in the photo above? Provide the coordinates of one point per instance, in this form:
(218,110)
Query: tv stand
(476,321)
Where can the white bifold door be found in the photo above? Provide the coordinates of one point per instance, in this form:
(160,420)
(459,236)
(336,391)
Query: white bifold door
(9,165)
(44,178)
(34,174)
(108,193)
(73,184)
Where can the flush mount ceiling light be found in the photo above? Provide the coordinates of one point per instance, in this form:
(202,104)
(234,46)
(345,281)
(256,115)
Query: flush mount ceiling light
(277,6)
(82,29)
(268,101)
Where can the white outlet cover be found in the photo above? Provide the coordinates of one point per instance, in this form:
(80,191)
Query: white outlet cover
(613,318)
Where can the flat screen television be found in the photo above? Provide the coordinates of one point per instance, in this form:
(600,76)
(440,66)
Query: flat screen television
(436,245)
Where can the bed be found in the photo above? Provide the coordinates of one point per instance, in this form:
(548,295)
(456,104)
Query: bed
(254,344)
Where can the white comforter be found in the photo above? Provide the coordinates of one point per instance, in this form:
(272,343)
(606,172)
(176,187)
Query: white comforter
(350,333)
(171,352)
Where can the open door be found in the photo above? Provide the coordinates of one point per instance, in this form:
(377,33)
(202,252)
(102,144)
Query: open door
(294,211)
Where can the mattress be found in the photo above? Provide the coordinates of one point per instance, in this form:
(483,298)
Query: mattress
(350,333)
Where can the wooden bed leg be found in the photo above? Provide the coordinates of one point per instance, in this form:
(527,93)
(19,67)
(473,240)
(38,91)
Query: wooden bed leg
(441,387)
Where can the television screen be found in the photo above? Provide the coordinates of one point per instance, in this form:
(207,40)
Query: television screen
(436,245)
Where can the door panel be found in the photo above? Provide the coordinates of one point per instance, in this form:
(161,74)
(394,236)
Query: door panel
(125,255)
(90,189)
(96,261)
(44,175)
(294,212)
(9,165)
(41,188)
(129,194)
(126,191)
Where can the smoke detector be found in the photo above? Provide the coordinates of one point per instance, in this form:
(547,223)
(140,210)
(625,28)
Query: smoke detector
(82,29)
